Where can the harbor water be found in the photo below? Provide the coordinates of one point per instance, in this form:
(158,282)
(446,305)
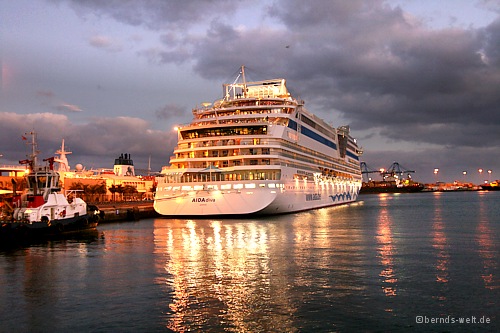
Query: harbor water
(388,263)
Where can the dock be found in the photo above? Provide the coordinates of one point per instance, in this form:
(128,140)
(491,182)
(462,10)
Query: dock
(126,211)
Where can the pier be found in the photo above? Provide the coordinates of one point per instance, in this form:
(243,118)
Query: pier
(126,211)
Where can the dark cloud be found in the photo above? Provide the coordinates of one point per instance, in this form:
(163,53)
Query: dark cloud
(170,111)
(156,14)
(381,69)
(366,61)
(95,143)
(450,162)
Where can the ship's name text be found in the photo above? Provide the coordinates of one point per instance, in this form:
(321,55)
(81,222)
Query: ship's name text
(313,196)
(203,200)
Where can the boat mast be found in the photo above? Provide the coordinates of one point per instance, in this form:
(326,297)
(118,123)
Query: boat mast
(244,81)
(34,152)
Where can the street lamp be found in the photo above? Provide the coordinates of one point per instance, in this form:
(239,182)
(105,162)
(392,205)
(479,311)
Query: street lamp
(480,174)
(436,171)
(489,175)
(465,174)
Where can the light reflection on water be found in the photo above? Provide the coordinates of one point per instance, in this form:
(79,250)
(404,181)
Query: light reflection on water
(486,245)
(374,265)
(219,272)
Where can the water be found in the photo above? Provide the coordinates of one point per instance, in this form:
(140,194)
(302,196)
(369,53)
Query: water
(381,264)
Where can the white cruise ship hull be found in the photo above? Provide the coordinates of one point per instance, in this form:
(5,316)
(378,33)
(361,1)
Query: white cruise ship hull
(261,200)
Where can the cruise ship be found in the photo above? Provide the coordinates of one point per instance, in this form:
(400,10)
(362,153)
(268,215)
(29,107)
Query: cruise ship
(258,150)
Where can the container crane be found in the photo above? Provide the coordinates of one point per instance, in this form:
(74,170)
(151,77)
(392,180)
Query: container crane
(396,170)
(366,170)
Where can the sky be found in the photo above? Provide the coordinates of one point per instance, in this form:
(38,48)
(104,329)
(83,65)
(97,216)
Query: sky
(417,81)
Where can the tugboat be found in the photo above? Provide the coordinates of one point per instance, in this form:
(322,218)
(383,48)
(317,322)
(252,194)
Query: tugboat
(42,210)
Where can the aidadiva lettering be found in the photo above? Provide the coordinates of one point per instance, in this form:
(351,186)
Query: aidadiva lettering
(313,196)
(203,200)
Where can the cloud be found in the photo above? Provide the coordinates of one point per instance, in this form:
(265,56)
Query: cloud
(170,111)
(156,14)
(375,65)
(105,43)
(95,143)
(379,69)
(49,98)
(68,107)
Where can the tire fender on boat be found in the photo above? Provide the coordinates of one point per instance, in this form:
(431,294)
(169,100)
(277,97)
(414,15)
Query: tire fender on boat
(46,220)
(60,227)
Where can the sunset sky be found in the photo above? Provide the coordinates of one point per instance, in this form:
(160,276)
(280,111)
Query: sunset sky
(418,81)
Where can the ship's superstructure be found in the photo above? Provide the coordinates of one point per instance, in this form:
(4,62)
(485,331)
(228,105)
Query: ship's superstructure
(258,150)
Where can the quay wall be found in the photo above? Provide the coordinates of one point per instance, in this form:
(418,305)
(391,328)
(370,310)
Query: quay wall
(126,211)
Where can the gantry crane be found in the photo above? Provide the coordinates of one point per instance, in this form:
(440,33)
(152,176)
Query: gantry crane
(366,170)
(396,170)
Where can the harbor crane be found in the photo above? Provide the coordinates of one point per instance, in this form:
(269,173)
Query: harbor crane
(396,170)
(366,170)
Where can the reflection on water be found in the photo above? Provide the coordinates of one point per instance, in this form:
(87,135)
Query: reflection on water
(440,244)
(386,249)
(257,276)
(486,245)
(370,266)
(219,272)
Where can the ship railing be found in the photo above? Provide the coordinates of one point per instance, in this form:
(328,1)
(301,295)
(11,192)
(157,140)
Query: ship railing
(265,118)
(71,194)
(249,103)
(224,143)
(230,167)
(229,156)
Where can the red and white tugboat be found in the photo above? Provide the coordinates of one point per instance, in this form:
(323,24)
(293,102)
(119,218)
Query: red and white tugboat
(42,210)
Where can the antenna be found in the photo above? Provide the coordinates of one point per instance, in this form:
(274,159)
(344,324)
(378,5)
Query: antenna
(244,81)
